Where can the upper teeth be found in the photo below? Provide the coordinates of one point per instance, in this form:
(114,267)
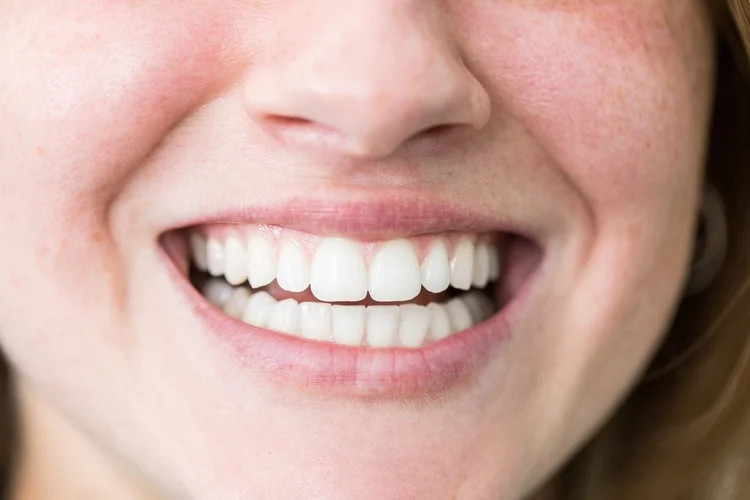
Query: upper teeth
(344,270)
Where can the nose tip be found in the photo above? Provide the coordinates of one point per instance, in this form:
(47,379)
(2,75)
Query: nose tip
(365,86)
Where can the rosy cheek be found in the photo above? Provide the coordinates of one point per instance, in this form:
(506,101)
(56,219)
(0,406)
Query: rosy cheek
(101,85)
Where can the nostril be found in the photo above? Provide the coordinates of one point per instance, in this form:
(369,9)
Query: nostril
(301,131)
(437,131)
(288,121)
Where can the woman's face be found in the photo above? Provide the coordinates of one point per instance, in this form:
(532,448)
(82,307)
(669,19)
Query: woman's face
(358,148)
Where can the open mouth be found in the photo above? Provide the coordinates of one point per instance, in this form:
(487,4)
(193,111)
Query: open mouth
(387,314)
(398,293)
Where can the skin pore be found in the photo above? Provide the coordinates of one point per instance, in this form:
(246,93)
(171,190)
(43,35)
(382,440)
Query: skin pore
(584,123)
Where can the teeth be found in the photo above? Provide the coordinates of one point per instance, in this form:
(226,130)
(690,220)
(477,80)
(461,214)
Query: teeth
(394,272)
(382,326)
(218,292)
(315,320)
(348,325)
(479,306)
(458,314)
(258,309)
(235,271)
(284,317)
(495,264)
(440,325)
(198,251)
(338,272)
(235,306)
(215,257)
(414,324)
(261,257)
(342,270)
(481,273)
(292,270)
(436,269)
(408,325)
(462,265)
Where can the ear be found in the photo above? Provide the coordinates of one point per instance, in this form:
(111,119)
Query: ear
(710,242)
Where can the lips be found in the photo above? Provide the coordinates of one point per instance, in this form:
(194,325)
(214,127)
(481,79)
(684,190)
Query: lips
(350,299)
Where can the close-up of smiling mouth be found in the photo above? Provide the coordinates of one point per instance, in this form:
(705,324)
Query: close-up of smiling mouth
(412,311)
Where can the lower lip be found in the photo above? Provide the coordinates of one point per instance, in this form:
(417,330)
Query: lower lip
(359,372)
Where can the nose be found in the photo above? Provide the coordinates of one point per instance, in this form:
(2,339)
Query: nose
(362,77)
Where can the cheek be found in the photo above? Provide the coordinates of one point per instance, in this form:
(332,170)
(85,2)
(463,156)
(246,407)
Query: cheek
(87,98)
(88,89)
(616,94)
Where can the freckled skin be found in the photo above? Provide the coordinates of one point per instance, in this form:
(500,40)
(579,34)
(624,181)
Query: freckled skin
(120,120)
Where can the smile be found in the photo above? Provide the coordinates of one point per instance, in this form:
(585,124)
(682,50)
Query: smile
(413,311)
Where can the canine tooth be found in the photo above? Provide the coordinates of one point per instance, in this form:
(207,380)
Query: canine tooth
(258,309)
(315,320)
(440,326)
(285,317)
(261,261)
(215,257)
(292,269)
(481,266)
(436,269)
(235,256)
(348,324)
(382,326)
(217,292)
(458,314)
(494,268)
(413,325)
(198,251)
(462,265)
(338,272)
(237,303)
(394,272)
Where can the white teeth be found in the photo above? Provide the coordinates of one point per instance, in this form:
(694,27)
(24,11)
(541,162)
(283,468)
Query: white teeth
(258,309)
(414,324)
(261,258)
(218,292)
(338,272)
(284,317)
(382,326)
(348,324)
(458,314)
(235,306)
(462,265)
(479,306)
(481,273)
(494,269)
(436,269)
(235,267)
(408,325)
(292,270)
(394,272)
(440,326)
(215,257)
(198,251)
(315,320)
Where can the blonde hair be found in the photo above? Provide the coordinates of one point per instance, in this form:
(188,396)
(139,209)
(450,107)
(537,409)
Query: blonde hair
(684,432)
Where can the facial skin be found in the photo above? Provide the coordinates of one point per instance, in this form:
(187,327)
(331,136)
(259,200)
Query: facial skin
(119,121)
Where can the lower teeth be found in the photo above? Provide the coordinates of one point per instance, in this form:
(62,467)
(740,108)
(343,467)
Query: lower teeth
(381,326)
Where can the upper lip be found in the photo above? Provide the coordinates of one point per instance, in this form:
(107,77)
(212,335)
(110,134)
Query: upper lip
(367,218)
